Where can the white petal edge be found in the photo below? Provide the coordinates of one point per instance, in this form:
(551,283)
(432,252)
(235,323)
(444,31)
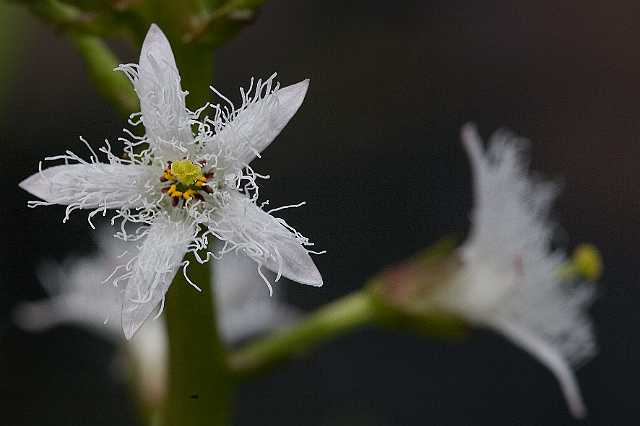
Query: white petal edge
(550,358)
(265,239)
(153,270)
(90,185)
(257,125)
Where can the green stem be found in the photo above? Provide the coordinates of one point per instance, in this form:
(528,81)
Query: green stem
(199,383)
(336,318)
(195,63)
(100,62)
(12,38)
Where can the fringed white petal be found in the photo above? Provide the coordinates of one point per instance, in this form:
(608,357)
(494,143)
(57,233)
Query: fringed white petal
(162,101)
(246,132)
(511,265)
(244,305)
(266,239)
(551,358)
(90,185)
(510,208)
(153,270)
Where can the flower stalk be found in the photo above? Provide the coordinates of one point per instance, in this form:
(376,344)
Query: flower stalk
(199,383)
(337,318)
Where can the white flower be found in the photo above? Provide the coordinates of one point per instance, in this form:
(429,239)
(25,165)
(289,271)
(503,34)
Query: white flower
(512,280)
(79,295)
(184,188)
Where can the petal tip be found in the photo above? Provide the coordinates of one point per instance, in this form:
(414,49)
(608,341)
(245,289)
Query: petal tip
(469,131)
(37,186)
(154,33)
(27,183)
(295,93)
(129,327)
(157,45)
(471,141)
(312,278)
(131,320)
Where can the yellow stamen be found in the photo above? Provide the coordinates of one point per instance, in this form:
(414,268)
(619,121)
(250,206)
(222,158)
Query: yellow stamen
(173,191)
(168,175)
(186,172)
(587,261)
(188,194)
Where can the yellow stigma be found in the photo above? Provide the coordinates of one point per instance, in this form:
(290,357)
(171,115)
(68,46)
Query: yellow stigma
(186,172)
(587,262)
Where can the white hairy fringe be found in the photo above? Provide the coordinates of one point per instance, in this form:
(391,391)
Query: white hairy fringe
(166,241)
(244,228)
(260,98)
(96,186)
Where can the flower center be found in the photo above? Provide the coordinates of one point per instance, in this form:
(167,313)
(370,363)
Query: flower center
(185,181)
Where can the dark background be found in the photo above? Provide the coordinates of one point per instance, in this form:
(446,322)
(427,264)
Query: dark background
(375,153)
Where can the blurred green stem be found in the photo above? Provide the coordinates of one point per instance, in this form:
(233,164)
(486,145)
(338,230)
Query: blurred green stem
(337,318)
(12,41)
(100,62)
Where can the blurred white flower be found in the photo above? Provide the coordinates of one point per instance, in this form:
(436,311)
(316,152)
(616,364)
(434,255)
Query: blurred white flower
(185,188)
(79,295)
(512,280)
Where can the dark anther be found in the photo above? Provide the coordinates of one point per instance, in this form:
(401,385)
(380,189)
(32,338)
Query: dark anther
(175,201)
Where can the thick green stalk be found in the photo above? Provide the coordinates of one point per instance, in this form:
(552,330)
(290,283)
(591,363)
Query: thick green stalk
(199,383)
(336,318)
